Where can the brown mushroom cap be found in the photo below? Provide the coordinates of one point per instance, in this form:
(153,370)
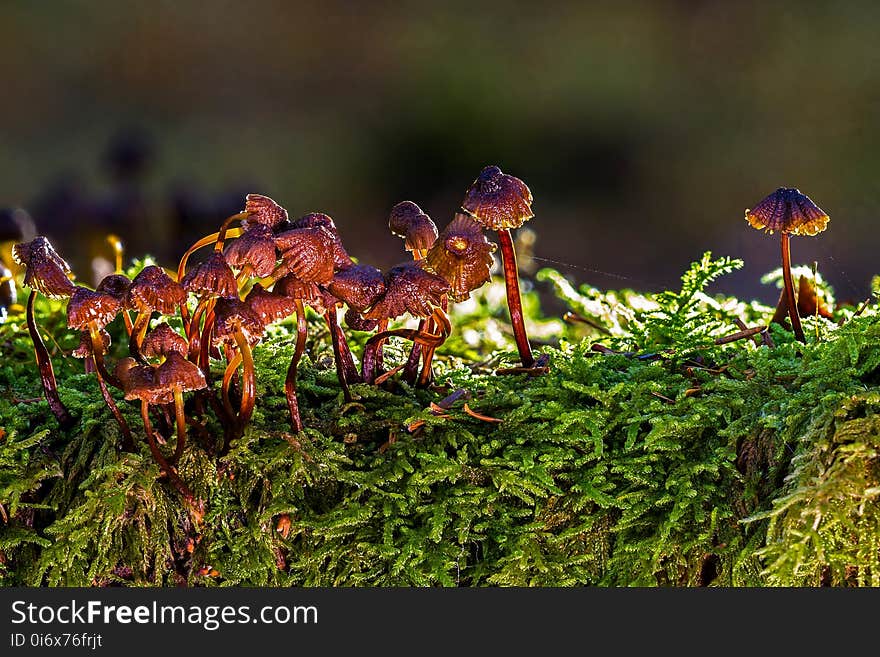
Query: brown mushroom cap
(307,253)
(45,271)
(116,285)
(255,248)
(153,289)
(177,372)
(407,220)
(231,315)
(409,288)
(462,255)
(357,322)
(787,210)
(140,382)
(264,211)
(212,277)
(87,306)
(294,288)
(359,286)
(269,306)
(498,201)
(341,259)
(84,349)
(162,341)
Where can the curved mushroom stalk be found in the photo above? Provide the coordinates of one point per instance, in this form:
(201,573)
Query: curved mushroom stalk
(127,440)
(441,320)
(290,379)
(166,467)
(514,300)
(47,373)
(338,351)
(788,283)
(426,340)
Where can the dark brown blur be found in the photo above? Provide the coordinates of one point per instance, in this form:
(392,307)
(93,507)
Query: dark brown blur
(644,129)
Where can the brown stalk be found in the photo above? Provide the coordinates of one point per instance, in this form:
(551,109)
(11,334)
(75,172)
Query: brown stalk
(47,374)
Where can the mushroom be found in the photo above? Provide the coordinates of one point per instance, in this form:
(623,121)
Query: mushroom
(502,202)
(179,375)
(47,273)
(91,311)
(463,257)
(789,212)
(252,253)
(163,340)
(210,279)
(408,288)
(408,221)
(140,382)
(117,286)
(151,290)
(238,326)
(341,259)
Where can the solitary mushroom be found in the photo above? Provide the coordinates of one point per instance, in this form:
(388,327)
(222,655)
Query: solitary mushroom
(151,290)
(47,273)
(789,212)
(502,202)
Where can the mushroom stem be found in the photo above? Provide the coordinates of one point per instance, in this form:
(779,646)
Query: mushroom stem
(204,361)
(138,331)
(290,380)
(445,327)
(98,358)
(425,339)
(224,230)
(248,379)
(227,383)
(127,440)
(333,325)
(180,419)
(128,323)
(789,290)
(47,374)
(514,302)
(411,369)
(168,469)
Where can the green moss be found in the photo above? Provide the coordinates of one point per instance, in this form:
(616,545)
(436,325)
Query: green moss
(678,462)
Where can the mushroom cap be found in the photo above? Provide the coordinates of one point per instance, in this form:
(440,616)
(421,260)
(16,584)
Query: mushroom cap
(407,220)
(231,315)
(462,255)
(116,285)
(409,288)
(787,210)
(341,259)
(84,349)
(153,289)
(359,286)
(162,341)
(263,210)
(269,306)
(45,271)
(294,288)
(357,322)
(255,247)
(141,382)
(177,372)
(498,200)
(308,253)
(88,306)
(212,277)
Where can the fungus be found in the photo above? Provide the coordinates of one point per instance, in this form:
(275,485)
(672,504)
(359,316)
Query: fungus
(91,311)
(47,273)
(238,326)
(341,259)
(502,202)
(462,256)
(359,286)
(408,221)
(210,279)
(140,383)
(117,285)
(264,211)
(179,376)
(789,212)
(253,252)
(151,290)
(163,340)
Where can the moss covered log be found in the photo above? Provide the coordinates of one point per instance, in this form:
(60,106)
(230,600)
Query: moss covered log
(659,457)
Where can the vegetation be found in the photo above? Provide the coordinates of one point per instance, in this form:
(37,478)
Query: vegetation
(656,458)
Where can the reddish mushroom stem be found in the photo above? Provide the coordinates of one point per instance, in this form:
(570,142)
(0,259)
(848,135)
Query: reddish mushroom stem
(204,361)
(425,339)
(47,374)
(228,375)
(411,369)
(514,301)
(290,380)
(332,325)
(127,440)
(248,379)
(180,419)
(789,289)
(138,332)
(380,356)
(441,321)
(98,358)
(167,468)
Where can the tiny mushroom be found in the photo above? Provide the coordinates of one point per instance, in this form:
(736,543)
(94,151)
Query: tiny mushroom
(408,221)
(117,285)
(788,212)
(179,375)
(462,256)
(163,340)
(152,290)
(239,327)
(502,202)
(253,252)
(341,259)
(209,280)
(91,311)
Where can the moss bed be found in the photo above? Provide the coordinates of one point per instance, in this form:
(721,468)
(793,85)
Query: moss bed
(663,459)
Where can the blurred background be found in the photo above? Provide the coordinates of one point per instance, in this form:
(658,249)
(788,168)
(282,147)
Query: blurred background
(644,129)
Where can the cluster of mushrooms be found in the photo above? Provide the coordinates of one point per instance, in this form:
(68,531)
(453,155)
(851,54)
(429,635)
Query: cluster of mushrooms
(264,270)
